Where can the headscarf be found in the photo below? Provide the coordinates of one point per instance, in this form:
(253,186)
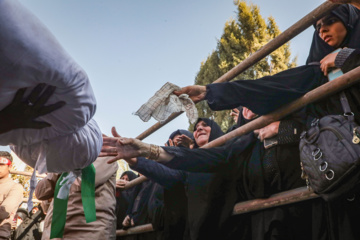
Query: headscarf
(130,174)
(180,132)
(349,16)
(215,129)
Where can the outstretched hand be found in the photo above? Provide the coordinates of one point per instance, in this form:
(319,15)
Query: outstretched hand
(328,62)
(122,148)
(21,113)
(185,141)
(196,92)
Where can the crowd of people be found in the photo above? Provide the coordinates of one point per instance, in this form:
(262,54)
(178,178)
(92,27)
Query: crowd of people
(191,191)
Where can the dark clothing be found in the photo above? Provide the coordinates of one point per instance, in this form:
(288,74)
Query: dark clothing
(201,196)
(337,220)
(196,187)
(29,229)
(146,206)
(257,173)
(266,94)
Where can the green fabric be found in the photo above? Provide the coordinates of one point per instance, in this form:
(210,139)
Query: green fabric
(88,193)
(88,199)
(59,212)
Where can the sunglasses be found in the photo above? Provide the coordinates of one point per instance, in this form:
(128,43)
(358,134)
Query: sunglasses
(326,22)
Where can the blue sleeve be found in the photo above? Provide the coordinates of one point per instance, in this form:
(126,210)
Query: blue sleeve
(159,173)
(209,160)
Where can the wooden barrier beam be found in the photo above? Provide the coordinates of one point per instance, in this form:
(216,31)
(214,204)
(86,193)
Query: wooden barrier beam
(34,200)
(135,230)
(271,46)
(276,200)
(324,90)
(27,173)
(279,199)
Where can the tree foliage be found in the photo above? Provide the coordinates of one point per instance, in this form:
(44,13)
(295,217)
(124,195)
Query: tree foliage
(23,180)
(241,38)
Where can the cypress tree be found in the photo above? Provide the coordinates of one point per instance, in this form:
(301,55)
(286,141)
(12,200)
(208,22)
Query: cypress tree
(241,38)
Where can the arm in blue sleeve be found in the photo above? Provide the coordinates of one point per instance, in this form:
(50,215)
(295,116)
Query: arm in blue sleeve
(159,173)
(209,160)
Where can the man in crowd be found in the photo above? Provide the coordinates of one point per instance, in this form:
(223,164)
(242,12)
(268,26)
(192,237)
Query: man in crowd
(11,195)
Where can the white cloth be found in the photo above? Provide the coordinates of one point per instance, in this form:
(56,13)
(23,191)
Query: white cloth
(30,55)
(164,103)
(65,153)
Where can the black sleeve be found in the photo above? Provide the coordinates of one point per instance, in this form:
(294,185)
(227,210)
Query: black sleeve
(289,131)
(159,173)
(352,60)
(208,160)
(266,94)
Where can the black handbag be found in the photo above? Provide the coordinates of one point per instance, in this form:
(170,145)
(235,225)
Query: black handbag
(330,154)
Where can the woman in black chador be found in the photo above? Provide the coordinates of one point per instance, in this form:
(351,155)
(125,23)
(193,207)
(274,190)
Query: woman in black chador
(338,30)
(205,200)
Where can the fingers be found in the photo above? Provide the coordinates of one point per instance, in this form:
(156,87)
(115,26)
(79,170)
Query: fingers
(110,141)
(178,92)
(109,150)
(114,132)
(113,160)
(171,143)
(37,125)
(19,95)
(48,109)
(326,71)
(44,97)
(104,135)
(35,93)
(105,154)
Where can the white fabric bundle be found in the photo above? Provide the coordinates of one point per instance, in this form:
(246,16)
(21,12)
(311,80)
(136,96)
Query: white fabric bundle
(164,103)
(30,54)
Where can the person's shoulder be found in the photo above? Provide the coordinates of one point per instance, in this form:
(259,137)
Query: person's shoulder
(17,186)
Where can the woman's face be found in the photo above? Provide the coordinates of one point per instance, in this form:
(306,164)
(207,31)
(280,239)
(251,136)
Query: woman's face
(331,30)
(202,133)
(125,177)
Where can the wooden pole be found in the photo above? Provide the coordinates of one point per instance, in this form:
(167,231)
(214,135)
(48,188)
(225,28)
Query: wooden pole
(274,44)
(324,90)
(279,199)
(135,230)
(34,200)
(27,174)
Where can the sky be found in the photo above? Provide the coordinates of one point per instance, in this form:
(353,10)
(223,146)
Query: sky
(130,48)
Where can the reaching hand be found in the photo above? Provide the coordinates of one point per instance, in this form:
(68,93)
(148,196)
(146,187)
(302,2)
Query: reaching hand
(123,148)
(171,143)
(269,131)
(185,141)
(328,62)
(235,114)
(196,92)
(120,184)
(21,113)
(128,222)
